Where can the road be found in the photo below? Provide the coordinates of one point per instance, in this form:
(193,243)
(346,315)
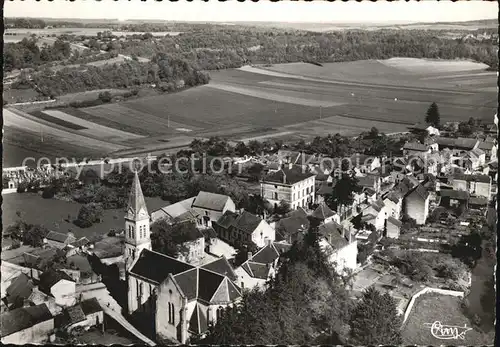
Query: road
(111,308)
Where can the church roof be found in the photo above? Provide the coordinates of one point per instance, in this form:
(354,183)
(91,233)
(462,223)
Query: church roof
(198,322)
(136,201)
(156,266)
(222,267)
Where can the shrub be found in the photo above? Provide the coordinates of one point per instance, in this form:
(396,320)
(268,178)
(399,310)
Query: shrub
(21,188)
(49,192)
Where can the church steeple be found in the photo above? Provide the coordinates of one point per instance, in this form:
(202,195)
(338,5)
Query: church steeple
(137,230)
(136,209)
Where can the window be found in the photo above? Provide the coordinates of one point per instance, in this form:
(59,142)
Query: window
(275,196)
(242,285)
(219,312)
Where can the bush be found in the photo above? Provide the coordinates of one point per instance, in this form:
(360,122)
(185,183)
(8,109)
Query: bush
(49,192)
(21,188)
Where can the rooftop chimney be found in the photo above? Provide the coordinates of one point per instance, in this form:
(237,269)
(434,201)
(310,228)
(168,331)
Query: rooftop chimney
(249,256)
(290,165)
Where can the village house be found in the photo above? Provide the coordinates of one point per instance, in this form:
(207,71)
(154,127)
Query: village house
(261,266)
(179,212)
(244,227)
(325,214)
(375,214)
(415,148)
(416,204)
(460,143)
(58,240)
(363,163)
(291,184)
(476,185)
(292,227)
(370,181)
(490,149)
(424,129)
(323,191)
(81,245)
(19,290)
(27,325)
(393,227)
(211,206)
(183,299)
(393,203)
(59,285)
(85,314)
(340,245)
(192,245)
(454,198)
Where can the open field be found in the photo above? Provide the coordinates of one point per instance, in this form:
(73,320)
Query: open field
(445,309)
(52,213)
(293,101)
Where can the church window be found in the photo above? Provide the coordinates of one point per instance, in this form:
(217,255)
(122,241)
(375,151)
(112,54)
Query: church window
(171,313)
(219,312)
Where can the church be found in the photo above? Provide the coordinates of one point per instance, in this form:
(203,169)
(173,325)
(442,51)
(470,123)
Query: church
(183,299)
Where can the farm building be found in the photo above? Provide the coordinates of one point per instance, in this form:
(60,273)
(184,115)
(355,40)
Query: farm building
(291,184)
(460,143)
(421,128)
(212,206)
(27,325)
(454,198)
(415,148)
(86,314)
(18,291)
(58,240)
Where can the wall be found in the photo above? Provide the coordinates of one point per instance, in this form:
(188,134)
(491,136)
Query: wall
(481,189)
(417,209)
(284,193)
(169,293)
(195,251)
(460,185)
(425,291)
(134,302)
(64,292)
(215,215)
(392,231)
(38,333)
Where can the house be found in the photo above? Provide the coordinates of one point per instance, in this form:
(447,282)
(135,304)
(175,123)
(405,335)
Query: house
(375,214)
(454,198)
(415,148)
(38,259)
(393,227)
(340,245)
(324,214)
(393,202)
(370,181)
(478,203)
(460,143)
(292,184)
(27,325)
(490,149)
(261,266)
(86,314)
(416,204)
(421,128)
(211,206)
(292,227)
(323,191)
(179,212)
(244,227)
(78,246)
(59,285)
(183,299)
(18,291)
(363,163)
(59,240)
(476,185)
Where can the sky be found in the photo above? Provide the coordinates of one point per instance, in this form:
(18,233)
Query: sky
(284,11)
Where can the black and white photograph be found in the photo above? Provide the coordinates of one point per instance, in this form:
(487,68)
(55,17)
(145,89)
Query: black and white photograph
(249,172)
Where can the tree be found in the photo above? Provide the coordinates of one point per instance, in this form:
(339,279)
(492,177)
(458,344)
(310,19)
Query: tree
(282,208)
(89,214)
(375,320)
(105,96)
(432,116)
(256,171)
(169,239)
(342,192)
(34,235)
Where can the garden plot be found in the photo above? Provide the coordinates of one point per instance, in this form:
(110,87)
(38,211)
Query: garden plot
(429,66)
(93,128)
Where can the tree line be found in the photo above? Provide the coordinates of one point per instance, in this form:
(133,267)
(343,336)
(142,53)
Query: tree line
(165,72)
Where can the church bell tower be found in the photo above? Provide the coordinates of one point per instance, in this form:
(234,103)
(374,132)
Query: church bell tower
(137,232)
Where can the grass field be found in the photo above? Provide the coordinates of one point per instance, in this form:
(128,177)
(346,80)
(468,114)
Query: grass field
(295,101)
(446,309)
(52,213)
(56,120)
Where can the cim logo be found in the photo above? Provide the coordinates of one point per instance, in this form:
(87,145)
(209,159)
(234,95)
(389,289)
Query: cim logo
(448,332)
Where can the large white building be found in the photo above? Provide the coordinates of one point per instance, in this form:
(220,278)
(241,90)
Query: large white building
(292,183)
